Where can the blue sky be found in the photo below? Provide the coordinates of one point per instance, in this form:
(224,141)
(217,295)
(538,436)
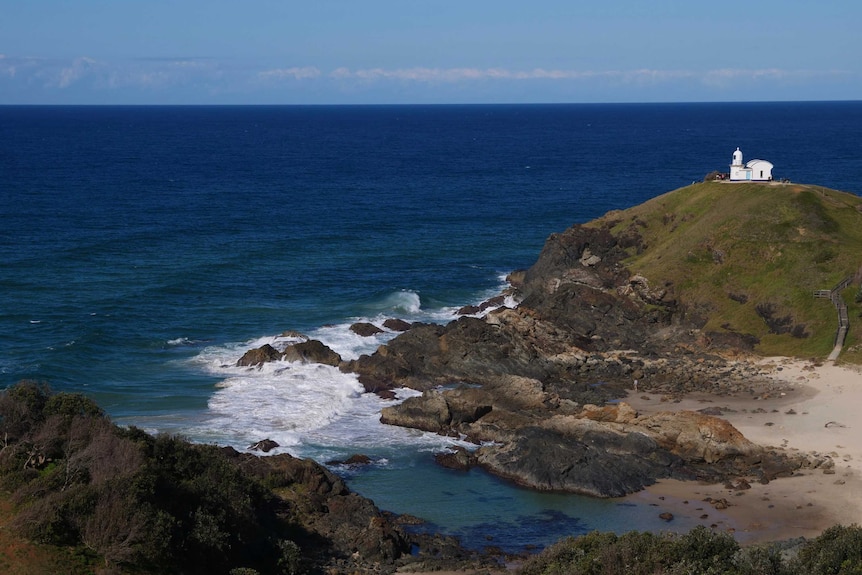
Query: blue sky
(432,51)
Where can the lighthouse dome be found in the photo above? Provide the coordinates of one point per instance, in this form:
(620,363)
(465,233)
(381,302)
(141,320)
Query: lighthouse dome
(737,158)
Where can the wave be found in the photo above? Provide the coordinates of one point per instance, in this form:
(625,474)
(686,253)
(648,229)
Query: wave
(312,410)
(404,301)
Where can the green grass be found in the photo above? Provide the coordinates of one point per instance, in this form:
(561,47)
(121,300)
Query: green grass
(772,244)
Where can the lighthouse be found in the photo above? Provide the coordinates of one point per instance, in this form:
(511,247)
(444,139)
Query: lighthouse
(752,171)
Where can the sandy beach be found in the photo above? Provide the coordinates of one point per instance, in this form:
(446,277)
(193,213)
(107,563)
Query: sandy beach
(815,410)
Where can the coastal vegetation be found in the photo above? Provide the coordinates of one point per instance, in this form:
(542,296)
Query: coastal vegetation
(745,259)
(93,497)
(838,551)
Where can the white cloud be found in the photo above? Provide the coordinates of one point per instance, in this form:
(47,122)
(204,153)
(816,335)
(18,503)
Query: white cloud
(296,73)
(730,76)
(432,75)
(205,77)
(80,68)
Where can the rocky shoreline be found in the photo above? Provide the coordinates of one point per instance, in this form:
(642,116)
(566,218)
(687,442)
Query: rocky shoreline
(535,386)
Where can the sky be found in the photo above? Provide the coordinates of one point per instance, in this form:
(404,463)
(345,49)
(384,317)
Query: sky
(427,51)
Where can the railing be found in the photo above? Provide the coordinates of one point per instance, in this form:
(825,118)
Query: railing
(834,295)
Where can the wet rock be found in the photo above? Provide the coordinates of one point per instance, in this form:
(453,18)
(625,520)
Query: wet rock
(459,459)
(365,329)
(394,324)
(259,356)
(355,459)
(264,445)
(311,351)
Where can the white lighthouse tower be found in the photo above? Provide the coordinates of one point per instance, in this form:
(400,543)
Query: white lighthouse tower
(737,168)
(753,171)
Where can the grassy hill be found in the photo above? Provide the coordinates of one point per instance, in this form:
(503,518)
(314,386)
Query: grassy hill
(747,257)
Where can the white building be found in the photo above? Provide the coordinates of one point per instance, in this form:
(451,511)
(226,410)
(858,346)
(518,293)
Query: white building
(752,171)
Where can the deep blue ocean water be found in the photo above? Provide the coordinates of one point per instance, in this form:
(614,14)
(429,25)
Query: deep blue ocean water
(144,249)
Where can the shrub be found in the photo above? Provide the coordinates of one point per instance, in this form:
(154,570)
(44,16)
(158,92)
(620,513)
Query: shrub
(159,505)
(838,551)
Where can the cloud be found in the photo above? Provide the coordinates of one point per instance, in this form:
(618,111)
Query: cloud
(725,77)
(80,68)
(295,73)
(203,79)
(451,75)
(420,74)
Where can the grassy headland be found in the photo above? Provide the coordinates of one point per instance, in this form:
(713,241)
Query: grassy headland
(746,258)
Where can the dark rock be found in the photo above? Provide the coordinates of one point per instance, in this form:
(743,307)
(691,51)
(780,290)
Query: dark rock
(365,329)
(459,459)
(355,459)
(666,516)
(264,445)
(311,351)
(598,465)
(259,356)
(495,301)
(395,324)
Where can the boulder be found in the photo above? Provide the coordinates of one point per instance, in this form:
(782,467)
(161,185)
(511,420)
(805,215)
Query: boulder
(459,459)
(259,356)
(264,445)
(311,351)
(353,460)
(428,412)
(365,329)
(395,324)
(698,437)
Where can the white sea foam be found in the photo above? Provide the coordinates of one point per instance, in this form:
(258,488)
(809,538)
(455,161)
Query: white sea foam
(311,409)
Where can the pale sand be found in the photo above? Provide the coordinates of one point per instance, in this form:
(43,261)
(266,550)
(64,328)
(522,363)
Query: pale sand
(802,505)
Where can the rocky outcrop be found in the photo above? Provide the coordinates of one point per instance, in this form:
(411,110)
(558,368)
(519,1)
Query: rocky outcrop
(310,351)
(600,451)
(601,462)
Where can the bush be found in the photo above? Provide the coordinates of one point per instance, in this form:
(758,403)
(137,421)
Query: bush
(708,550)
(838,551)
(154,505)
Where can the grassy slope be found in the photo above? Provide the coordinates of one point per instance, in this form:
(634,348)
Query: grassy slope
(770,243)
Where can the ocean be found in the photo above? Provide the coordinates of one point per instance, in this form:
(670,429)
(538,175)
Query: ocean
(143,250)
